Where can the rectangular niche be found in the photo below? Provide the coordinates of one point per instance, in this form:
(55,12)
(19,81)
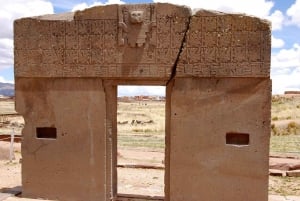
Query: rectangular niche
(46,133)
(239,139)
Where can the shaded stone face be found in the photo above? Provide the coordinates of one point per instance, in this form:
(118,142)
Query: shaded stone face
(215,66)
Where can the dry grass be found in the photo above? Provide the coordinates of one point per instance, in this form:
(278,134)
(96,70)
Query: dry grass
(13,121)
(143,111)
(285,126)
(287,144)
(7,107)
(285,107)
(141,124)
(284,186)
(285,115)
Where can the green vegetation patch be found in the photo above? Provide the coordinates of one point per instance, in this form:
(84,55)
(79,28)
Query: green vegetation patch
(285,144)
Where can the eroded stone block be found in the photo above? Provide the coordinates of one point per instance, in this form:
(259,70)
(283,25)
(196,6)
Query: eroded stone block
(216,67)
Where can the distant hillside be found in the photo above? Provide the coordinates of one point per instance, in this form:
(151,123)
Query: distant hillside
(141,98)
(292,92)
(7,89)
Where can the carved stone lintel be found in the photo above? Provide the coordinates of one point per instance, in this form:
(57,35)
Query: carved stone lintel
(136,26)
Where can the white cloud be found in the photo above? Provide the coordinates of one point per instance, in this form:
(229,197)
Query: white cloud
(3,80)
(115,2)
(286,58)
(260,8)
(277,42)
(65,6)
(285,71)
(286,82)
(80,6)
(11,10)
(6,52)
(83,6)
(141,90)
(294,13)
(277,19)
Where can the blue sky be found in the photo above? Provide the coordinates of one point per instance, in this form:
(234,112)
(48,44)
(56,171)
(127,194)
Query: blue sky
(284,15)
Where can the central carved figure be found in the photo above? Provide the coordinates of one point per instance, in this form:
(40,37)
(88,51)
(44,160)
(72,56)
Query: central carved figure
(136,26)
(136,17)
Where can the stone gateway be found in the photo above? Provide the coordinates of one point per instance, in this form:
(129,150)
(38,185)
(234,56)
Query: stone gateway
(216,69)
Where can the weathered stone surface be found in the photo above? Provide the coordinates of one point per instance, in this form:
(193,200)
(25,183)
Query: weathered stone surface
(294,173)
(284,164)
(202,112)
(71,166)
(102,42)
(216,68)
(225,45)
(278,173)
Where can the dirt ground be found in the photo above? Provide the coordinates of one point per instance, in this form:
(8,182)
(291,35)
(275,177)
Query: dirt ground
(151,181)
(10,172)
(135,180)
(141,181)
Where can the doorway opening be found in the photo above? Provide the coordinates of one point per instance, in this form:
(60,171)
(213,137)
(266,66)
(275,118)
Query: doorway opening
(141,114)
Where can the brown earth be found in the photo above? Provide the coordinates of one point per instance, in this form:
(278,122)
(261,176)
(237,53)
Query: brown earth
(132,180)
(286,164)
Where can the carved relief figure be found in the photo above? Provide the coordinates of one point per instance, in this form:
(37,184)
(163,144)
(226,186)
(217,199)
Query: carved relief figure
(136,17)
(135,26)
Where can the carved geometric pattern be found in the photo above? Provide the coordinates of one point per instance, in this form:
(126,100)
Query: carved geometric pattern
(227,46)
(215,45)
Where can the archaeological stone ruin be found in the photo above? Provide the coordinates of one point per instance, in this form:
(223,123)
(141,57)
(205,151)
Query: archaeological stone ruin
(216,69)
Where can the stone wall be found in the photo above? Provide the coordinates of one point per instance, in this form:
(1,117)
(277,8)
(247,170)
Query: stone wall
(71,165)
(102,42)
(215,66)
(204,163)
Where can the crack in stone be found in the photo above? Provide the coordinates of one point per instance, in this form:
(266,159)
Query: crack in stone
(173,73)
